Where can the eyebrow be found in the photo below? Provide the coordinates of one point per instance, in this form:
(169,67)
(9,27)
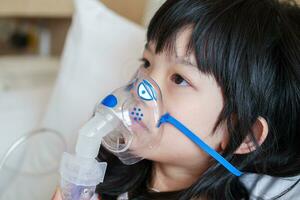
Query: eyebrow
(179,60)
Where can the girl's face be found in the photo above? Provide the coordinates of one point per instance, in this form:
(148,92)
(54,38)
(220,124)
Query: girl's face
(193,98)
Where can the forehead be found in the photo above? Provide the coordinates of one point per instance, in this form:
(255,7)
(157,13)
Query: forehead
(179,46)
(178,50)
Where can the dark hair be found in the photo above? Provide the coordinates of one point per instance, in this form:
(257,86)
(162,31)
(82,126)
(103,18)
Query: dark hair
(252,48)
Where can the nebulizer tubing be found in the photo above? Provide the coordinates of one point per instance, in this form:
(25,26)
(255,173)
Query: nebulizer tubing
(15,165)
(81,172)
(25,138)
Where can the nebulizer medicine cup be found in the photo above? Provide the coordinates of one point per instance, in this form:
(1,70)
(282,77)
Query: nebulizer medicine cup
(80,176)
(81,172)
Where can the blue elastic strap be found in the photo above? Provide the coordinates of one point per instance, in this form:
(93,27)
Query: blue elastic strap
(168,118)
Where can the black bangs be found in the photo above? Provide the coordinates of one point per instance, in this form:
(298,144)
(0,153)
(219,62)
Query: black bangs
(171,19)
(224,33)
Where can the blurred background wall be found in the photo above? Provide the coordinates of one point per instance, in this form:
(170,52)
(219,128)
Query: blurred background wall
(32,35)
(39,27)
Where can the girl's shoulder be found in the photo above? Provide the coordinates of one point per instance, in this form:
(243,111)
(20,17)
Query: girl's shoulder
(268,187)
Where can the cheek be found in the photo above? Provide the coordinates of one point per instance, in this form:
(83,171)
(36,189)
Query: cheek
(198,113)
(200,118)
(175,148)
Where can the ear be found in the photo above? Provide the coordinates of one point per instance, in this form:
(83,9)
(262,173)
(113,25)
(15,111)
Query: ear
(260,130)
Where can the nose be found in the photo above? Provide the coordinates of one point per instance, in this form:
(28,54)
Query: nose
(147,90)
(157,76)
(158,83)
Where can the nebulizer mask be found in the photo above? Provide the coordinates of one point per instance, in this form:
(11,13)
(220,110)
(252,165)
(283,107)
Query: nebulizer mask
(126,122)
(136,109)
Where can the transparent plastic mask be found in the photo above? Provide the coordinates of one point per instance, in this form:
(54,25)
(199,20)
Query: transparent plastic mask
(138,107)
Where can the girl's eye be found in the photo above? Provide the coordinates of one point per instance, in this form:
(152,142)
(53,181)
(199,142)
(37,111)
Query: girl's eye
(179,80)
(145,62)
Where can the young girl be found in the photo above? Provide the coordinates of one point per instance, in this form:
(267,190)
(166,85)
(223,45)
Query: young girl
(229,71)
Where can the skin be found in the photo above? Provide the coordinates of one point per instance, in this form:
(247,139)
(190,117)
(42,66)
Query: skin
(57,195)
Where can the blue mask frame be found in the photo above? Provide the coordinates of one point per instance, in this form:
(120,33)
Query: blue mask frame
(167,118)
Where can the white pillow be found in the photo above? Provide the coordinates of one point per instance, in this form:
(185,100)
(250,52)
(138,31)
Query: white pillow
(101,53)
